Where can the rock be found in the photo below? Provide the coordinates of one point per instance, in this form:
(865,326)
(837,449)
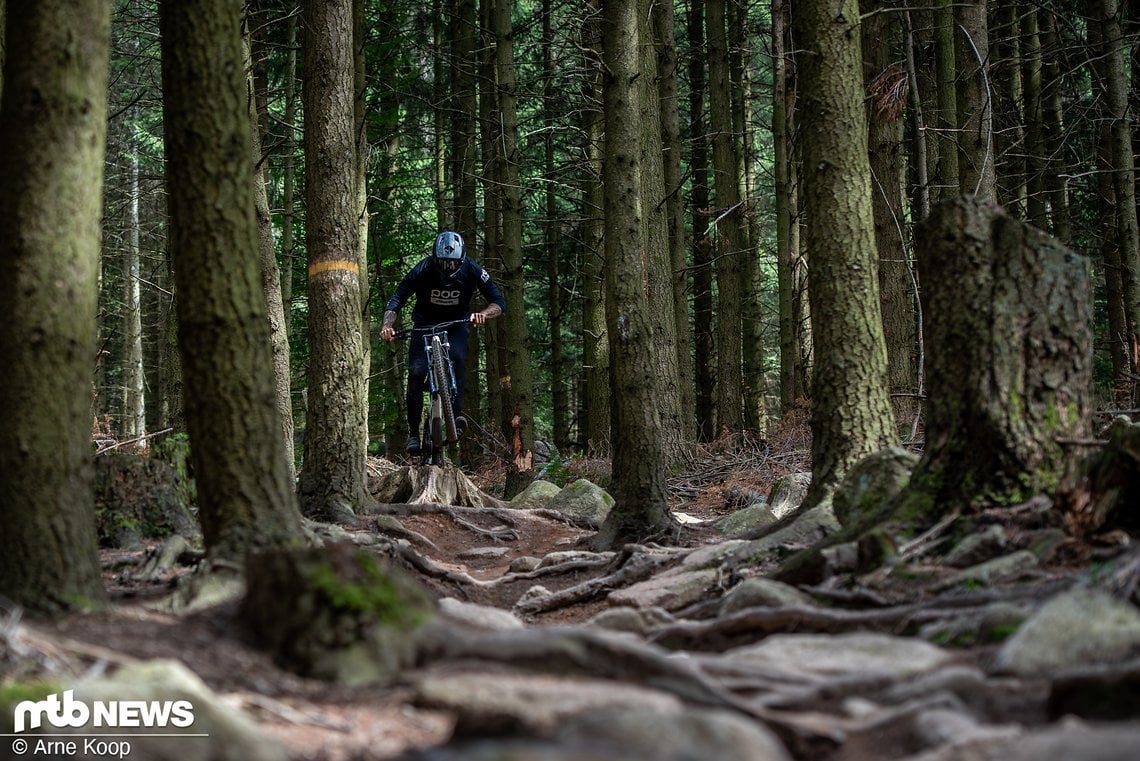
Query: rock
(761,592)
(850,653)
(788,493)
(478,616)
(638,621)
(804,531)
(871,482)
(713,554)
(525,564)
(1078,627)
(233,736)
(583,500)
(671,590)
(745,520)
(334,612)
(994,623)
(537,494)
(691,733)
(977,548)
(533,593)
(139,498)
(943,726)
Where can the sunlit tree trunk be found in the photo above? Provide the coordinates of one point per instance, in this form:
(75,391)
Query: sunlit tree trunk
(52,126)
(245,491)
(332,478)
(133,419)
(851,413)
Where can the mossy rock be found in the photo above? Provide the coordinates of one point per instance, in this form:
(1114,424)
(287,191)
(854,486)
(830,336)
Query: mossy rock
(336,612)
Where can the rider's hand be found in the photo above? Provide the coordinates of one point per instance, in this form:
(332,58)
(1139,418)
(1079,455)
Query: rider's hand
(478,318)
(388,334)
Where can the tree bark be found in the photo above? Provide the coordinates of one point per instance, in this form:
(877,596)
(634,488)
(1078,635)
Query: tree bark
(271,279)
(1057,165)
(882,39)
(559,398)
(1036,211)
(1012,106)
(1009,337)
(945,176)
(703,343)
(729,239)
(333,476)
(245,491)
(518,408)
(596,346)
(851,414)
(52,127)
(976,172)
(640,511)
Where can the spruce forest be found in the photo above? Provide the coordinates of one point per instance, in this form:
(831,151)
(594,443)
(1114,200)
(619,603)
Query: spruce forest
(802,429)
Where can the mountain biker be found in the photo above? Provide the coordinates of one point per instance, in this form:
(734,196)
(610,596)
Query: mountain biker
(443,284)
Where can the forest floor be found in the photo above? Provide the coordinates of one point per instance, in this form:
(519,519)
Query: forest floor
(318,721)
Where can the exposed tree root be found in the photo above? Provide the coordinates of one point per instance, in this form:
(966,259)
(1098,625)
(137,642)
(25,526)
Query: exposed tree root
(632,567)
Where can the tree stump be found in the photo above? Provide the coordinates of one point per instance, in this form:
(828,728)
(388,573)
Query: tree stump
(431,484)
(139,498)
(1008,334)
(334,612)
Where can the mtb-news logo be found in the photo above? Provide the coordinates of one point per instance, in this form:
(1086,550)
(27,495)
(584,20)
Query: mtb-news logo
(99,715)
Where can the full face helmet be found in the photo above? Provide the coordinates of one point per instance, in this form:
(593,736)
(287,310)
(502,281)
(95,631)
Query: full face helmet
(448,252)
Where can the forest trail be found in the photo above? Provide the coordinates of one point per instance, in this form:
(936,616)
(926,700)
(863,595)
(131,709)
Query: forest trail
(552,652)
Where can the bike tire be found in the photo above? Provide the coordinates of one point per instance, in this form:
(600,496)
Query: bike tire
(443,388)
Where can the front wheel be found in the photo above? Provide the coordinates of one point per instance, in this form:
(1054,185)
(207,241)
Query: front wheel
(443,389)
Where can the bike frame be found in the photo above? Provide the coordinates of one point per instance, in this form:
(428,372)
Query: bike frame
(439,423)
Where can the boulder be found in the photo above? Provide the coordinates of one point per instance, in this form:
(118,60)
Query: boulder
(1078,627)
(584,501)
(788,493)
(872,482)
(746,520)
(671,590)
(537,494)
(841,654)
(761,592)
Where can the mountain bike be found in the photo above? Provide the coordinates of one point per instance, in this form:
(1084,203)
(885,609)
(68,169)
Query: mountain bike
(439,429)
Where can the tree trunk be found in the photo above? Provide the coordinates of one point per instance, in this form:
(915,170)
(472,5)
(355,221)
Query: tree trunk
(782,112)
(360,131)
(703,344)
(667,64)
(596,346)
(1057,165)
(1035,209)
(881,38)
(271,283)
(245,492)
(288,199)
(976,172)
(492,205)
(133,419)
(1012,106)
(640,511)
(1123,173)
(52,127)
(727,222)
(1009,337)
(333,477)
(518,410)
(559,398)
(851,414)
(945,177)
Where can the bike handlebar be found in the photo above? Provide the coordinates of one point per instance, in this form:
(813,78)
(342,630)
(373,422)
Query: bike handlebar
(405,332)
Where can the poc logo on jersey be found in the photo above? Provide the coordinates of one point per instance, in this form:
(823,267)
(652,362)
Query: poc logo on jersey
(445,298)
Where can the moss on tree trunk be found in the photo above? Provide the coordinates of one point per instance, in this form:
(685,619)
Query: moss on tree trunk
(1008,335)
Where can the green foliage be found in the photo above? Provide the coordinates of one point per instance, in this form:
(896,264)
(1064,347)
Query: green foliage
(175,450)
